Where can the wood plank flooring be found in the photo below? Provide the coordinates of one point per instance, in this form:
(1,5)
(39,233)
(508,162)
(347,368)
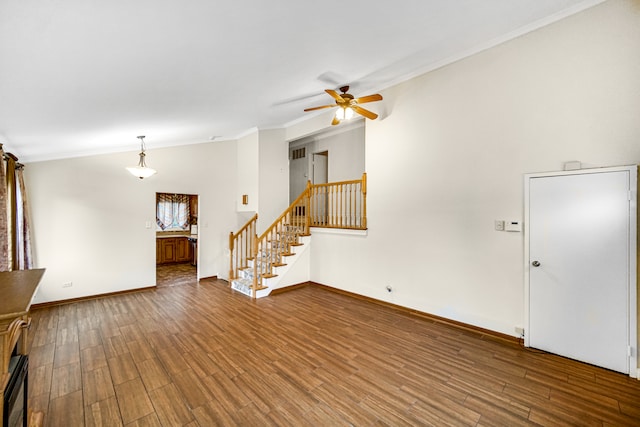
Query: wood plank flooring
(202,355)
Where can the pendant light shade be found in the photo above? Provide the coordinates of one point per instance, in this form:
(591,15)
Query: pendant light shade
(141,170)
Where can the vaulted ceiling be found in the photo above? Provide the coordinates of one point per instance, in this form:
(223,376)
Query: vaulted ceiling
(82,77)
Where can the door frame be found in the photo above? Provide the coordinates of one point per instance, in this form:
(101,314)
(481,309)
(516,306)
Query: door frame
(634,370)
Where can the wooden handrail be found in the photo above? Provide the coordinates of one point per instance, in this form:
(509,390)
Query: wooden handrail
(275,243)
(241,247)
(340,204)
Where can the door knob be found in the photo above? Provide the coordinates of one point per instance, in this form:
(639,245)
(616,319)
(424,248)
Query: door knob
(536,263)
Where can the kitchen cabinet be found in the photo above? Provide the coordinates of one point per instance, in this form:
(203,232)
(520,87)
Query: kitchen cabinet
(193,207)
(172,250)
(182,250)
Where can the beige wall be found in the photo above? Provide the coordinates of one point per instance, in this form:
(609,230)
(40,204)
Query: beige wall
(273,176)
(447,158)
(89,216)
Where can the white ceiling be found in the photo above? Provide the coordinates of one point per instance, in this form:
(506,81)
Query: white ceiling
(83,77)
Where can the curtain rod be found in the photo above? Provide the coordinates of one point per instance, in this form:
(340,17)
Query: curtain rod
(5,156)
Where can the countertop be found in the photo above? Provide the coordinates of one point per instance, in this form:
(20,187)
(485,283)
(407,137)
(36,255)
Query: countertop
(172,234)
(18,288)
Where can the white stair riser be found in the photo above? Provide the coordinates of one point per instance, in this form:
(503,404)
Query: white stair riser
(244,283)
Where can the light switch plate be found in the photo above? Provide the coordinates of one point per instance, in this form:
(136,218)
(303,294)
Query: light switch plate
(513,226)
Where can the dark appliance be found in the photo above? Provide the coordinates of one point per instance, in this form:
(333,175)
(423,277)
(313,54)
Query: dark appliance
(193,241)
(15,395)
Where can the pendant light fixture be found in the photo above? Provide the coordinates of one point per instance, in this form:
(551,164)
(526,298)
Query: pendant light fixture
(141,171)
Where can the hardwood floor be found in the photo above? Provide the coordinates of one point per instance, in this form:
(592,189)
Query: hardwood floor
(202,355)
(175,274)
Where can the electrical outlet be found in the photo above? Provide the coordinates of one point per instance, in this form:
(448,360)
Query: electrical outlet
(67,285)
(499,224)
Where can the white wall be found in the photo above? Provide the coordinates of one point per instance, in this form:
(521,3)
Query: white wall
(89,216)
(448,156)
(345,145)
(273,176)
(346,152)
(247,172)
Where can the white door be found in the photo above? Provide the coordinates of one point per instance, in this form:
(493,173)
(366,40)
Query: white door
(321,167)
(580,266)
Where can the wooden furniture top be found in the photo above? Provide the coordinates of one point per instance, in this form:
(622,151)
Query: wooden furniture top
(17,289)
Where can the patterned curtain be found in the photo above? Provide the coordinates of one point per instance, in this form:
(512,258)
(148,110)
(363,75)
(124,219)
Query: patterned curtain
(172,210)
(25,257)
(12,210)
(4,225)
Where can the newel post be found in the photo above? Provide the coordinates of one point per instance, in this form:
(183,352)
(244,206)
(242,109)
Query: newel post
(364,200)
(254,253)
(307,209)
(231,242)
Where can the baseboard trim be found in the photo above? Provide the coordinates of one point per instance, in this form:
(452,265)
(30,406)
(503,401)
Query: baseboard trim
(90,297)
(417,313)
(289,288)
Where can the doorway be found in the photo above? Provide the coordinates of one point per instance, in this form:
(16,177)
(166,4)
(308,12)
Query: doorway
(321,167)
(580,265)
(176,239)
(298,170)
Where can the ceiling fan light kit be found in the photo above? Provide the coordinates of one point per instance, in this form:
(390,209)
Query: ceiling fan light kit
(141,170)
(344,113)
(348,105)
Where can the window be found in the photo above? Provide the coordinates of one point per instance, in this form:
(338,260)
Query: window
(173,212)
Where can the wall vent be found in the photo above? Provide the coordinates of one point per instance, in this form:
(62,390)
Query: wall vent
(299,153)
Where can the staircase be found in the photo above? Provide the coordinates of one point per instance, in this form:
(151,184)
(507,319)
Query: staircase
(258,263)
(272,262)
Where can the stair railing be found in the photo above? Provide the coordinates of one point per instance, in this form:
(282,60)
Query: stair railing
(241,246)
(334,205)
(339,204)
(275,243)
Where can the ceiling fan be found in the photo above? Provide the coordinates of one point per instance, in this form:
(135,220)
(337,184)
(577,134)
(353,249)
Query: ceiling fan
(348,105)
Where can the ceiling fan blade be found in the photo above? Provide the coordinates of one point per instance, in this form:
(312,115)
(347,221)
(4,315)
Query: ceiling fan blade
(368,98)
(335,121)
(364,112)
(332,79)
(319,108)
(335,95)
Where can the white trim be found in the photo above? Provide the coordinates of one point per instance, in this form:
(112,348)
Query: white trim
(634,371)
(340,231)
(355,123)
(492,43)
(245,132)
